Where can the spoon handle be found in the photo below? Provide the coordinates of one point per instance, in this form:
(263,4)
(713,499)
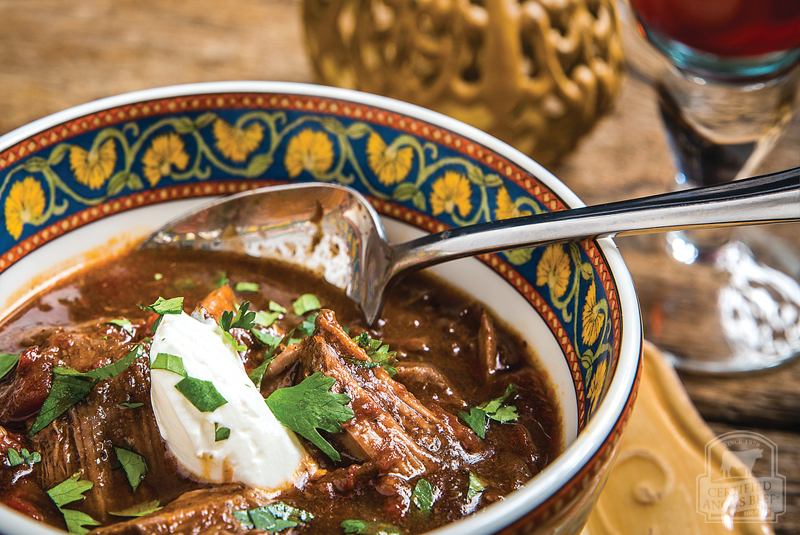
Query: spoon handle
(769,198)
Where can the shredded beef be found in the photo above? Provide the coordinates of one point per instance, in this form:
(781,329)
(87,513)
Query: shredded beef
(391,427)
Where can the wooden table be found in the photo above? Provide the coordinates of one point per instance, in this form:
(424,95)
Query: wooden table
(56,54)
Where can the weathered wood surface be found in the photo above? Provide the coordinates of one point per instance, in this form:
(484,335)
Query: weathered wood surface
(57,54)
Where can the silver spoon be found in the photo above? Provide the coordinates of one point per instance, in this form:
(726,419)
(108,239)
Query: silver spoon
(334,229)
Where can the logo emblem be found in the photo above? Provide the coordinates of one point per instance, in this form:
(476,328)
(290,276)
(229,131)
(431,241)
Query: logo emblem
(742,484)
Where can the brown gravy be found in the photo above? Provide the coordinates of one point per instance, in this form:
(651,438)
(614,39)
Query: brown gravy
(445,346)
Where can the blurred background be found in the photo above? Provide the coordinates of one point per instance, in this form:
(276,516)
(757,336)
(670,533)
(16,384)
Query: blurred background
(55,54)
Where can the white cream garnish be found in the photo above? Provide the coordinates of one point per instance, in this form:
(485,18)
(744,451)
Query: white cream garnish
(260,452)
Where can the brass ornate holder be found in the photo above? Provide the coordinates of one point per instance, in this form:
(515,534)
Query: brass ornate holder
(536,73)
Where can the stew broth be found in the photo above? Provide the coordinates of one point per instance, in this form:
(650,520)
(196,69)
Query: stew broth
(451,355)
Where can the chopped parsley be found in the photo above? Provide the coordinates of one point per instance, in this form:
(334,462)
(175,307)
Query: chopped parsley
(265,319)
(131,404)
(366,527)
(476,486)
(306,303)
(478,417)
(66,492)
(221,433)
(377,351)
(423,496)
(246,287)
(273,517)
(134,465)
(274,343)
(140,509)
(221,280)
(70,386)
(309,406)
(7,363)
(123,324)
(16,458)
(269,340)
(161,307)
(202,394)
(166,361)
(242,319)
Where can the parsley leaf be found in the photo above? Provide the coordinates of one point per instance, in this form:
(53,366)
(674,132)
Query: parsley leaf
(476,419)
(134,465)
(105,372)
(7,363)
(306,303)
(273,517)
(275,307)
(423,496)
(66,492)
(306,328)
(163,306)
(123,324)
(242,320)
(202,394)
(131,404)
(269,340)
(166,361)
(377,351)
(16,458)
(65,392)
(246,287)
(221,433)
(265,319)
(476,486)
(221,280)
(141,509)
(309,406)
(69,387)
(499,412)
(77,520)
(366,527)
(69,490)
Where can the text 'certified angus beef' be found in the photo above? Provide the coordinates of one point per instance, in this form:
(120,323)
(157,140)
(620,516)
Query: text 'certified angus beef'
(197,392)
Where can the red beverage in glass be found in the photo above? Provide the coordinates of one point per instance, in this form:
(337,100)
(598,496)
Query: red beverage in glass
(726,28)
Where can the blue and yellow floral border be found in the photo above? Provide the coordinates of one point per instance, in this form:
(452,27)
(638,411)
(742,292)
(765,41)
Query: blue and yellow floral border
(181,147)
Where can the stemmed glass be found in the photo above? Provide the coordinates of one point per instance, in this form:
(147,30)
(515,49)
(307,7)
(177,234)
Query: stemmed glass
(726,76)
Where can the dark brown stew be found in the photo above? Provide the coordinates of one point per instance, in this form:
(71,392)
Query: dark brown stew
(451,356)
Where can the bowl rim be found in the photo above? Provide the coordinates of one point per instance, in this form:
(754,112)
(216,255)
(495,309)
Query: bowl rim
(613,408)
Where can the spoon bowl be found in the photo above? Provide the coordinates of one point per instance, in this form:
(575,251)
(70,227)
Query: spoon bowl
(334,229)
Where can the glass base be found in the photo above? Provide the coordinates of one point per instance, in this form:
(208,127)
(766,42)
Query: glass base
(719,67)
(722,310)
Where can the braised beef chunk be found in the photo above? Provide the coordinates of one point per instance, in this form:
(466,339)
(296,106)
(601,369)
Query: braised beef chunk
(84,438)
(200,511)
(391,427)
(82,348)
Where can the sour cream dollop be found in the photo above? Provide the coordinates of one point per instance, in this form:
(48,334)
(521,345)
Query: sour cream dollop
(259,452)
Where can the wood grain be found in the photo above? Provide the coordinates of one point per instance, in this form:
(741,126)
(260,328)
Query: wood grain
(56,54)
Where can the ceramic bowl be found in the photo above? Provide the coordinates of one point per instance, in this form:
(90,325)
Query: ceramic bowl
(88,180)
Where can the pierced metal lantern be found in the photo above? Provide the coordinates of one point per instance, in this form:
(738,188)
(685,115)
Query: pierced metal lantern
(534,73)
